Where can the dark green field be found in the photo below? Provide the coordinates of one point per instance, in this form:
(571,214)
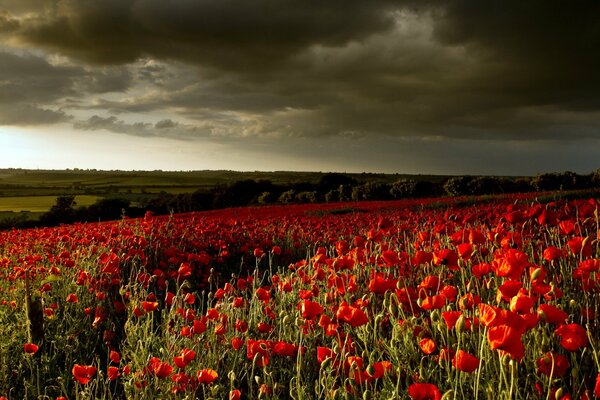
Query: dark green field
(21,190)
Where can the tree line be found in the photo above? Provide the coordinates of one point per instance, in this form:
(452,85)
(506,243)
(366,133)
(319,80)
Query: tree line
(332,187)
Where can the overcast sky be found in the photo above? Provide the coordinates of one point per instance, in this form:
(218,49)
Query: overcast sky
(506,87)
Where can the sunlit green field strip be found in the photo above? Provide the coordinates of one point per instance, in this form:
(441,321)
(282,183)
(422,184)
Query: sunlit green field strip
(39,203)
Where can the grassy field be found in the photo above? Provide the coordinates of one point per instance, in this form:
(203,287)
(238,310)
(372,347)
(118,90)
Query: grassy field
(38,203)
(36,190)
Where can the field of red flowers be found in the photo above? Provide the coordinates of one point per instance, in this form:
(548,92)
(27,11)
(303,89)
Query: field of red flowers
(420,299)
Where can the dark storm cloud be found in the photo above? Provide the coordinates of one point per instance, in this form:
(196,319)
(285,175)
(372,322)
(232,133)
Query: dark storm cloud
(30,115)
(33,91)
(162,128)
(229,33)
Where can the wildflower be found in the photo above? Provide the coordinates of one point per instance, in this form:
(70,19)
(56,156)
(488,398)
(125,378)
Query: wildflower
(465,362)
(159,368)
(507,339)
(113,373)
(552,365)
(424,391)
(83,373)
(30,348)
(235,394)
(310,309)
(427,346)
(207,376)
(573,336)
(352,315)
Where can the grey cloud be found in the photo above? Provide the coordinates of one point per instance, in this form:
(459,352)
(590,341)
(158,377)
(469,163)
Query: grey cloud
(30,115)
(165,123)
(234,34)
(163,128)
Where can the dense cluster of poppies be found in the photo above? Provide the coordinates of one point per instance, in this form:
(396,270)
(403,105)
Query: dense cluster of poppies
(417,299)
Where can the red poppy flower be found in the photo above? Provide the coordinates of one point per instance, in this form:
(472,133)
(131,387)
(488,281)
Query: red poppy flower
(465,362)
(446,257)
(573,336)
(72,298)
(237,343)
(480,270)
(263,295)
(159,368)
(510,264)
(521,303)
(435,302)
(149,306)
(465,250)
(83,373)
(235,394)
(207,376)
(285,349)
(488,315)
(597,386)
(424,391)
(552,253)
(30,348)
(114,357)
(324,353)
(310,309)
(390,257)
(113,373)
(552,314)
(450,318)
(380,284)
(198,327)
(427,346)
(421,257)
(189,298)
(507,339)
(552,365)
(379,369)
(580,246)
(352,315)
(264,327)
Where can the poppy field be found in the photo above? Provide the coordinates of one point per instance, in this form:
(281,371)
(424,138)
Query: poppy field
(412,299)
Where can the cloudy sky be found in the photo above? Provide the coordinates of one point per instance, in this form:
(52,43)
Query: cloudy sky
(505,87)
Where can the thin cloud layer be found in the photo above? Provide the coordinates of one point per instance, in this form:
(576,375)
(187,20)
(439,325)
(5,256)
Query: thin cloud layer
(267,71)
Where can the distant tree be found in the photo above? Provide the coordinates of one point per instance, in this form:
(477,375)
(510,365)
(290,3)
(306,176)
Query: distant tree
(306,197)
(457,185)
(555,181)
(345,192)
(267,198)
(333,180)
(332,195)
(287,197)
(62,212)
(105,210)
(595,178)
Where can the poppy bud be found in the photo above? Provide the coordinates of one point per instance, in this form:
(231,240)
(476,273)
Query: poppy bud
(393,308)
(575,373)
(559,393)
(536,274)
(460,324)
(231,376)
(326,363)
(371,369)
(441,327)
